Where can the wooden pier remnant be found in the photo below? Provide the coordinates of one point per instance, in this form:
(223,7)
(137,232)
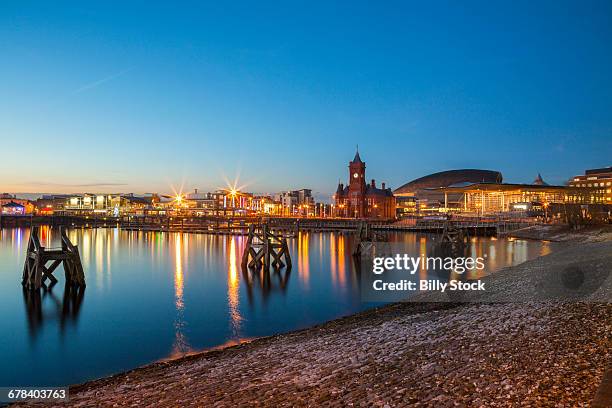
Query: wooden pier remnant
(453,235)
(36,271)
(365,239)
(265,248)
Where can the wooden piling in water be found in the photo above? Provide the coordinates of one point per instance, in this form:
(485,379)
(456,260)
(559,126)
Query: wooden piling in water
(365,239)
(36,271)
(452,234)
(265,248)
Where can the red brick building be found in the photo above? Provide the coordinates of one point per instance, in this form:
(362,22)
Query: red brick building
(361,200)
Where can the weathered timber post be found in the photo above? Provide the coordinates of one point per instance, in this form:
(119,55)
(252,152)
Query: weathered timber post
(365,239)
(35,270)
(245,254)
(453,234)
(265,248)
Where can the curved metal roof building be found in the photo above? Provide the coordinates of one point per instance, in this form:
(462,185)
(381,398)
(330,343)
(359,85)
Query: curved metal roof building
(449,178)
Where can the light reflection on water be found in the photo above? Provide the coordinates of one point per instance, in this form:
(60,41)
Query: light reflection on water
(233,290)
(181,345)
(151,296)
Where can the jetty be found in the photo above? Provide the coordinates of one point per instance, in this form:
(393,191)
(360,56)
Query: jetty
(239,224)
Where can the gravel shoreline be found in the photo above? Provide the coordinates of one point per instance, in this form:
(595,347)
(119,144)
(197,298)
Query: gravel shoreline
(522,349)
(563,233)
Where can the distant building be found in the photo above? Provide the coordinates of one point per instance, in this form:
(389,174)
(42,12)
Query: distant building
(27,205)
(296,202)
(6,198)
(489,198)
(200,203)
(112,205)
(89,204)
(539,181)
(13,208)
(424,194)
(361,200)
(448,178)
(482,192)
(50,204)
(599,181)
(266,205)
(220,202)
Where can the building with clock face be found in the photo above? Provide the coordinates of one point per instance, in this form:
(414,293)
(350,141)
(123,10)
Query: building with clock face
(360,199)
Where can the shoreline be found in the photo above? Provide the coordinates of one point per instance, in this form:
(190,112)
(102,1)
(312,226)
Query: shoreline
(562,233)
(584,342)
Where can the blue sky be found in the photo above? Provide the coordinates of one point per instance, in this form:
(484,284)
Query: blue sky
(136,96)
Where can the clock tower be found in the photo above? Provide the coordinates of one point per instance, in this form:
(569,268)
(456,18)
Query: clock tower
(360,199)
(357,186)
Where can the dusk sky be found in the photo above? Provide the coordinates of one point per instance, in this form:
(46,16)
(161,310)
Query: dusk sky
(142,97)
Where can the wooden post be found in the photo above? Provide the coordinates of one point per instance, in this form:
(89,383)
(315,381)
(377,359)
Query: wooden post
(35,270)
(245,254)
(265,248)
(365,239)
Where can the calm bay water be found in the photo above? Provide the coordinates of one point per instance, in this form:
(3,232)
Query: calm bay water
(152,296)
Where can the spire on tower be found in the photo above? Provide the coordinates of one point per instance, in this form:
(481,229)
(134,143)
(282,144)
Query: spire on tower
(357,159)
(539,181)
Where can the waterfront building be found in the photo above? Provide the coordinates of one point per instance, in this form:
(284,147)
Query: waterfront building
(13,208)
(360,199)
(6,198)
(489,198)
(266,205)
(233,202)
(50,204)
(424,195)
(198,204)
(219,202)
(296,202)
(81,204)
(539,181)
(599,183)
(482,192)
(113,205)
(137,205)
(323,210)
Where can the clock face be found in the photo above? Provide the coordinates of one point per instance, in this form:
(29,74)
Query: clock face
(355,175)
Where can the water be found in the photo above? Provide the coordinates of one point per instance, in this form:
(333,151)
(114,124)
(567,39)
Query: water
(152,296)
